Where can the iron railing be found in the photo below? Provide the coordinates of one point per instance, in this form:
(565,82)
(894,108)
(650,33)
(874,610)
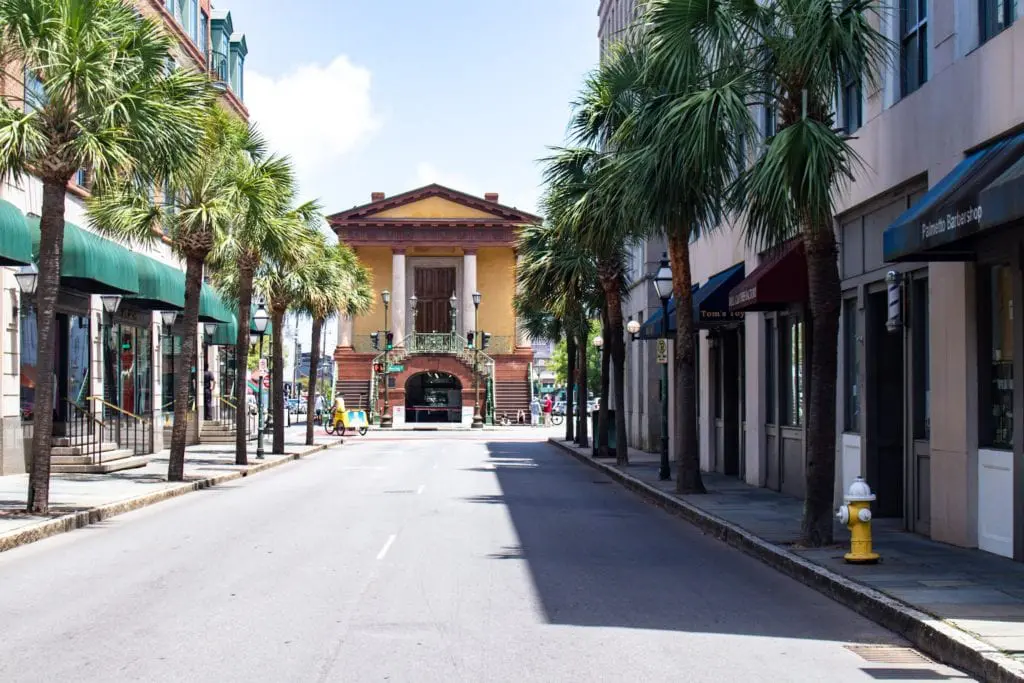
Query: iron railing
(82,430)
(128,430)
(219,67)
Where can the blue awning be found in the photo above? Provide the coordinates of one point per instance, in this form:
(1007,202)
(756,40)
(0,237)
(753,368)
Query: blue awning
(936,228)
(710,305)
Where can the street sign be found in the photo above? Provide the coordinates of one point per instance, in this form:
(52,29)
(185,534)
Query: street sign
(663,351)
(396,368)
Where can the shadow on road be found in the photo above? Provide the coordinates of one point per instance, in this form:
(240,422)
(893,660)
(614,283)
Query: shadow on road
(599,556)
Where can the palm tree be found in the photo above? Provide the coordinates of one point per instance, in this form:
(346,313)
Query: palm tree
(577,201)
(97,96)
(339,283)
(199,208)
(673,167)
(719,57)
(559,277)
(283,282)
(264,186)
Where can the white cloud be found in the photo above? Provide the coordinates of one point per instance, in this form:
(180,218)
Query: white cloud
(316,114)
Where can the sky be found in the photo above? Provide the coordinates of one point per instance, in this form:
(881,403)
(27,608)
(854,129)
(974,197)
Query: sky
(391,95)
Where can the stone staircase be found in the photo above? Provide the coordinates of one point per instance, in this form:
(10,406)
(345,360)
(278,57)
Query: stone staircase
(356,393)
(510,398)
(217,431)
(83,459)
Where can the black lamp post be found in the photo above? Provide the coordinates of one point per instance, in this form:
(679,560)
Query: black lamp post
(478,420)
(413,303)
(453,302)
(260,320)
(662,282)
(385,419)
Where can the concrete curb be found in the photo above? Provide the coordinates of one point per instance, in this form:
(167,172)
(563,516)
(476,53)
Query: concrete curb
(83,518)
(930,634)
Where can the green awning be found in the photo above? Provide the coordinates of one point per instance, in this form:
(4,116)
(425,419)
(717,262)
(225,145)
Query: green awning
(91,264)
(161,287)
(15,240)
(212,308)
(226,334)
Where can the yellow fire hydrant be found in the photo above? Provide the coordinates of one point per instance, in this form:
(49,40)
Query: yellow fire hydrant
(856,515)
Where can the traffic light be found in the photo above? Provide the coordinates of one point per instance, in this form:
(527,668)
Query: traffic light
(375,340)
(469,340)
(378,368)
(389,341)
(486,341)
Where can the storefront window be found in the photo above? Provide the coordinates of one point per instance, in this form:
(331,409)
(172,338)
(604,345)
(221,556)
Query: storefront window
(851,366)
(996,343)
(127,367)
(770,387)
(792,364)
(29,353)
(922,379)
(170,362)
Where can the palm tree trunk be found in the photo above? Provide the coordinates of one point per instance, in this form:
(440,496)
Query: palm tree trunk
(570,352)
(581,400)
(245,277)
(616,344)
(314,370)
(602,415)
(277,382)
(182,380)
(51,250)
(688,479)
(825,294)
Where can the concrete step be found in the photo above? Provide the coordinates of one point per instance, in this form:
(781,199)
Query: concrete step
(61,450)
(118,460)
(218,439)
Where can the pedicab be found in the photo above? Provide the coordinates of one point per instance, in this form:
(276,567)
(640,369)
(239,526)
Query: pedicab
(342,419)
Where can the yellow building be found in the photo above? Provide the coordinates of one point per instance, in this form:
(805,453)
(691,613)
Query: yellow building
(447,262)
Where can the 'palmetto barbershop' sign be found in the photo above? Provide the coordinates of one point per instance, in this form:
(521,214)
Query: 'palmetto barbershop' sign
(956,221)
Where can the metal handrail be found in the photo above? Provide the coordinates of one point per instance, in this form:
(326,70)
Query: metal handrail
(113,407)
(83,433)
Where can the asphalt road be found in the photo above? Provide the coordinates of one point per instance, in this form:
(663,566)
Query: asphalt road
(418,558)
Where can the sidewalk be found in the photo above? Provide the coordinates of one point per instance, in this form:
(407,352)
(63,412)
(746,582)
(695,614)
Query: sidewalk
(77,500)
(963,607)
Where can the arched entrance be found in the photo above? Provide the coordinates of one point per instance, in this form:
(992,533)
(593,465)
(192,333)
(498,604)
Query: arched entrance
(433,397)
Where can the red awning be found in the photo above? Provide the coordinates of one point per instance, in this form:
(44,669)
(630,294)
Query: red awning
(779,281)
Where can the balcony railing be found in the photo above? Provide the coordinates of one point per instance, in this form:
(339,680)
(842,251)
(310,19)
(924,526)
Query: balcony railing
(436,342)
(219,68)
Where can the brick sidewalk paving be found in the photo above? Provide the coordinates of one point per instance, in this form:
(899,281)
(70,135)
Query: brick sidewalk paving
(976,592)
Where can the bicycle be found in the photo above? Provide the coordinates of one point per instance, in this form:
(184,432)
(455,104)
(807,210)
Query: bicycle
(556,420)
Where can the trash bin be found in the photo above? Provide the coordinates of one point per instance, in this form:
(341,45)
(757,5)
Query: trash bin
(595,418)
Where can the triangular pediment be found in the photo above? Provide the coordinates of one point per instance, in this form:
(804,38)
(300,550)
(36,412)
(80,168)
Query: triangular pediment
(437,203)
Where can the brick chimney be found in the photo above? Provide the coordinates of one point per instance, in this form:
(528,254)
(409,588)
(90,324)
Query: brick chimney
(376,196)
(491,197)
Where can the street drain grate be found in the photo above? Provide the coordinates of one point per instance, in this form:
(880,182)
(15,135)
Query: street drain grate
(401,491)
(888,654)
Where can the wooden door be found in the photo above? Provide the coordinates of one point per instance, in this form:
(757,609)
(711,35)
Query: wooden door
(434,287)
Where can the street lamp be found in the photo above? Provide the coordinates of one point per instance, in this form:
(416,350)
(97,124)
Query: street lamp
(260,321)
(110,302)
(453,302)
(385,419)
(662,282)
(633,327)
(478,420)
(598,341)
(28,279)
(413,302)
(209,329)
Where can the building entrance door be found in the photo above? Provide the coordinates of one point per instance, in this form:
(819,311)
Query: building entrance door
(885,409)
(434,288)
(726,360)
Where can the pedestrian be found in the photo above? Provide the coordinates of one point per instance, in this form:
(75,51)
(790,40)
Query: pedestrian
(534,411)
(319,407)
(208,381)
(547,410)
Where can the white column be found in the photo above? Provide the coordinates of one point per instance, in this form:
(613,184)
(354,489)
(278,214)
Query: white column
(344,331)
(522,337)
(468,287)
(156,342)
(398,303)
